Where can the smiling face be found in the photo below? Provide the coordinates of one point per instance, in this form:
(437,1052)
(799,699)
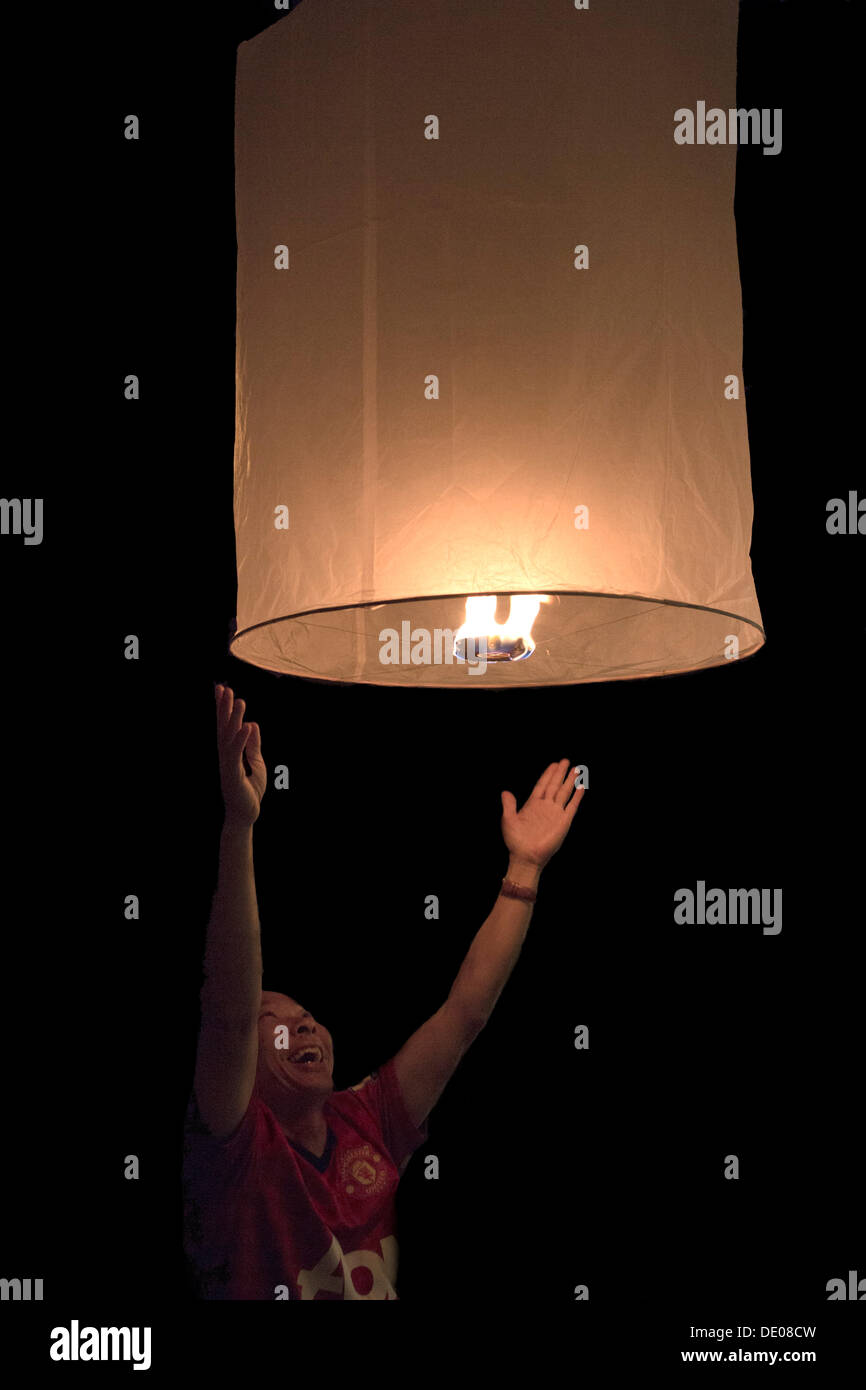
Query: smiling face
(303,1063)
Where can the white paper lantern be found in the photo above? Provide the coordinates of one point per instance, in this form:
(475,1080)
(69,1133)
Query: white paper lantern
(489,343)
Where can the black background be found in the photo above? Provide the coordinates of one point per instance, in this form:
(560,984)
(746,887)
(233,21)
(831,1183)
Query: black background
(559,1167)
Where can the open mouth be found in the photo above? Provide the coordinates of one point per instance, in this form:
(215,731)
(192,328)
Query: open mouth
(308,1057)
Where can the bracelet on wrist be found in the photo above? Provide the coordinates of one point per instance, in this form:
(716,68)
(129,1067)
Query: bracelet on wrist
(510,889)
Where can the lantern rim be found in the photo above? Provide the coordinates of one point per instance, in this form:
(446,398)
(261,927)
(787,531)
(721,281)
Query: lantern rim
(374,604)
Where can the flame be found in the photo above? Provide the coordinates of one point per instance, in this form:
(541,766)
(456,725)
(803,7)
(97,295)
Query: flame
(511,640)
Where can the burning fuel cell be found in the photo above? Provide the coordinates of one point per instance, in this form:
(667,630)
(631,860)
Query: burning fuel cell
(481,636)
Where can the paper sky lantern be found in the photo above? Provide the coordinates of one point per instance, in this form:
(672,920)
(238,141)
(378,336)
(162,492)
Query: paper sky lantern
(489,344)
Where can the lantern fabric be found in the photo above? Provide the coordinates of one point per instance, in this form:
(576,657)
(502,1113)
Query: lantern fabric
(439,394)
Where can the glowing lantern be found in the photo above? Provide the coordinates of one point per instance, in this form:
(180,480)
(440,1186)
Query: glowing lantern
(491,425)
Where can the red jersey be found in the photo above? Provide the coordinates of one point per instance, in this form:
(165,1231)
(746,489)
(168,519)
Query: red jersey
(265,1219)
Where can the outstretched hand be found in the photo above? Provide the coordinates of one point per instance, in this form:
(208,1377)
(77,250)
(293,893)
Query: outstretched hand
(237,743)
(535,832)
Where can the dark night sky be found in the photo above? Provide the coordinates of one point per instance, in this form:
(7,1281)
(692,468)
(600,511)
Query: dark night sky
(600,1167)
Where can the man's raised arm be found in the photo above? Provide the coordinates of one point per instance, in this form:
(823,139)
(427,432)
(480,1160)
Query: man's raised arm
(428,1060)
(232,990)
(531,836)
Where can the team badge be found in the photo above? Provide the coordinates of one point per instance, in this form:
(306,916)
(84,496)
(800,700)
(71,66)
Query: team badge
(363,1171)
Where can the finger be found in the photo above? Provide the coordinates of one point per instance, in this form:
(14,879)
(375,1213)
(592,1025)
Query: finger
(509,805)
(224,707)
(222,698)
(574,802)
(229,718)
(237,717)
(254,747)
(562,784)
(539,789)
(236,746)
(553,784)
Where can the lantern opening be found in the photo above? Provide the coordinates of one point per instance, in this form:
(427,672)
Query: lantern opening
(481,634)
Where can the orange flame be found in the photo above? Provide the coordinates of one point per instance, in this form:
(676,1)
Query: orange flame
(511,640)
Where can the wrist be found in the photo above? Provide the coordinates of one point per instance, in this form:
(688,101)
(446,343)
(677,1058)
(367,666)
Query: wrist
(234,826)
(525,872)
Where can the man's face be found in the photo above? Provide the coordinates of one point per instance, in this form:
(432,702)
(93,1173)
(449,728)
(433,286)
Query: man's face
(299,1034)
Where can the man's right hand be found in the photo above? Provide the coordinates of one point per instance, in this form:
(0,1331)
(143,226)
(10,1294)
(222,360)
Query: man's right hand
(242,787)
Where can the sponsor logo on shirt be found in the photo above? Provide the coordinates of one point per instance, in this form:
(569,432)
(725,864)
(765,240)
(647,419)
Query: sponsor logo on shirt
(361,1274)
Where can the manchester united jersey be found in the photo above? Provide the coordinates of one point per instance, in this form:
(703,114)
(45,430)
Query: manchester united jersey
(265,1219)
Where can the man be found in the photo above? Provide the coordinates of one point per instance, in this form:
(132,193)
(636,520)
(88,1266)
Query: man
(289,1186)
